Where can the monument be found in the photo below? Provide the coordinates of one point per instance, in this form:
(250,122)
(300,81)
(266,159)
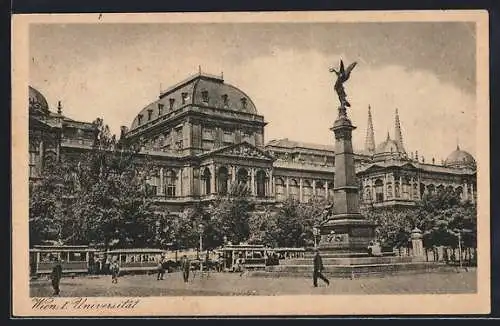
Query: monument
(346,230)
(345,236)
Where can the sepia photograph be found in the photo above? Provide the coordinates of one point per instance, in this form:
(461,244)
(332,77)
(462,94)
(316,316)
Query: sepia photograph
(251,163)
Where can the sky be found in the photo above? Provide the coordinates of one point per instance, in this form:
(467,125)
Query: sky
(427,70)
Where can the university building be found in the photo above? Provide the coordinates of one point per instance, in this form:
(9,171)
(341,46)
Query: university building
(203,134)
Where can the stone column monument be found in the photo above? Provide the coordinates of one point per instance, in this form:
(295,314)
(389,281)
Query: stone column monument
(346,231)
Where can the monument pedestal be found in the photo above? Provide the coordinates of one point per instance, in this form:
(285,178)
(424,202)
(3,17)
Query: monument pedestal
(350,235)
(347,231)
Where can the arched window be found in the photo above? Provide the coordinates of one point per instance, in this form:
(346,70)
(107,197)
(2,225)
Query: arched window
(379,190)
(261,183)
(170,181)
(431,189)
(320,189)
(242,176)
(222,176)
(294,189)
(279,185)
(306,191)
(207,178)
(406,188)
(396,190)
(368,194)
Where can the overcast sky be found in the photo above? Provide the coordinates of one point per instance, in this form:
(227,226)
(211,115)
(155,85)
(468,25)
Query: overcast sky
(426,70)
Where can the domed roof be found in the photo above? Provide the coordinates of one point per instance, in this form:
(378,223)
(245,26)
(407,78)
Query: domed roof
(389,146)
(200,90)
(37,101)
(459,158)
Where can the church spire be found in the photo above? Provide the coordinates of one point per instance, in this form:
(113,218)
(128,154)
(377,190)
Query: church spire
(370,137)
(397,132)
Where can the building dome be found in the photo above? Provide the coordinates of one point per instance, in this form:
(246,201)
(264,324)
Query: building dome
(201,90)
(389,146)
(460,159)
(389,149)
(37,101)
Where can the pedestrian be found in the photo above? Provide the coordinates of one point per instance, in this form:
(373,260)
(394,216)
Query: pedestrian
(56,276)
(185,266)
(161,269)
(115,271)
(318,269)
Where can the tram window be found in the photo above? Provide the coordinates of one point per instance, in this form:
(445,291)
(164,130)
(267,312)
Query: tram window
(64,256)
(44,257)
(123,258)
(132,259)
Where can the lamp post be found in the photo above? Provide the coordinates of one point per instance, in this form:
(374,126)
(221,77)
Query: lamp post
(201,229)
(315,235)
(459,249)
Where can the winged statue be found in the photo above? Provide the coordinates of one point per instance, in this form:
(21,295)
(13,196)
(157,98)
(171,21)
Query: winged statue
(342,76)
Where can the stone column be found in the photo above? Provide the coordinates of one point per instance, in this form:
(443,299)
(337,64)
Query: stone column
(417,244)
(472,193)
(393,180)
(301,189)
(161,192)
(231,180)
(314,188)
(287,187)
(384,187)
(270,191)
(465,192)
(400,187)
(252,181)
(213,182)
(326,190)
(40,161)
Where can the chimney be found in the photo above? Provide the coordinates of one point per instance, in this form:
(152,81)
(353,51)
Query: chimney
(416,155)
(59,107)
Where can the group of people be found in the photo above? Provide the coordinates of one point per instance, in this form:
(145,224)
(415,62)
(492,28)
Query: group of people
(185,265)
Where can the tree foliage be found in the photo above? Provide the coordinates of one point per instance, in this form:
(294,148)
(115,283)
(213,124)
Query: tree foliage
(440,216)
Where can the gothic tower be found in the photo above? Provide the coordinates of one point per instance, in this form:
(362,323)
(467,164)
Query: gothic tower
(397,133)
(370,137)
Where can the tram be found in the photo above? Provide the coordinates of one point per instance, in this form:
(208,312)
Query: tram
(135,260)
(252,256)
(74,259)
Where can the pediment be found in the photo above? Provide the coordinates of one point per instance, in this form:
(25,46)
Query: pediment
(242,150)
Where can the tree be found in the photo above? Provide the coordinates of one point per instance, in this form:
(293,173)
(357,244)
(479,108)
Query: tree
(101,197)
(47,219)
(229,217)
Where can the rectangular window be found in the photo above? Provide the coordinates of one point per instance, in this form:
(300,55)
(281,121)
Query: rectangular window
(160,109)
(208,134)
(204,97)
(171,102)
(150,114)
(184,97)
(139,119)
(228,137)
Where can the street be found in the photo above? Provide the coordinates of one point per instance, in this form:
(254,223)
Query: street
(228,284)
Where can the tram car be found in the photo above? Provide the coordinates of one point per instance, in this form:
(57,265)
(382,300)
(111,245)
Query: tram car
(138,260)
(74,259)
(251,256)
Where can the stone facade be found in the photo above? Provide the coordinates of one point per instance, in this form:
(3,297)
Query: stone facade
(203,135)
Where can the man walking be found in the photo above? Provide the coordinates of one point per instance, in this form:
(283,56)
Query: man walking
(161,268)
(56,276)
(185,266)
(318,269)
